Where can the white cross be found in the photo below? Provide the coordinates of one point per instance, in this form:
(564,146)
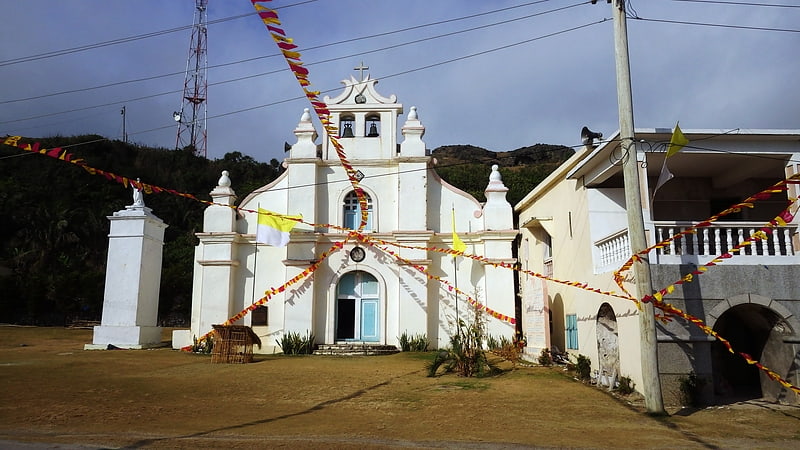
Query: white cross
(361,68)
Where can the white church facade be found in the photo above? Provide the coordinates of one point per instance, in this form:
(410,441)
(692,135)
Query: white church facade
(359,293)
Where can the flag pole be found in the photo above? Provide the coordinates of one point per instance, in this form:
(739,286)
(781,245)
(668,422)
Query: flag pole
(455,274)
(455,281)
(255,254)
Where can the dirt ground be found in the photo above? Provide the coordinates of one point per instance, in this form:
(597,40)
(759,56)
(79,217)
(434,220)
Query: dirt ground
(55,392)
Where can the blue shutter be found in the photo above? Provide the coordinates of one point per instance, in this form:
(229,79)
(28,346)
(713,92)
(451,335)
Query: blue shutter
(572,331)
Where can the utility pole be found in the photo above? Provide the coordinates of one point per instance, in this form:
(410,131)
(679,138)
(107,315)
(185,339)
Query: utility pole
(651,384)
(124,128)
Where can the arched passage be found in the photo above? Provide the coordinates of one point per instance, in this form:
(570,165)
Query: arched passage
(753,329)
(607,345)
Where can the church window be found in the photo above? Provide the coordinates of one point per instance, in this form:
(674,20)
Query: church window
(373,125)
(572,331)
(547,259)
(352,211)
(346,126)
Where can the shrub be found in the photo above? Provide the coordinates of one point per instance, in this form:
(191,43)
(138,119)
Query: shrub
(509,350)
(203,346)
(405,345)
(583,367)
(492,342)
(415,343)
(544,358)
(690,387)
(505,342)
(465,355)
(625,386)
(293,343)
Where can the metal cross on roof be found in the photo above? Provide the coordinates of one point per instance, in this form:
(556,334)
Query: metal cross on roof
(361,68)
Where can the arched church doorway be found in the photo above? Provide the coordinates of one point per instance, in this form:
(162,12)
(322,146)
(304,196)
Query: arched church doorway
(358,308)
(748,327)
(607,345)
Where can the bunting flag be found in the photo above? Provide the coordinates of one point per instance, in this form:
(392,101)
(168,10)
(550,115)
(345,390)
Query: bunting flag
(784,217)
(476,304)
(676,143)
(287,47)
(458,244)
(273,229)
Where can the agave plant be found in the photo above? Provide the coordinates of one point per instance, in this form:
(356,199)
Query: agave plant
(293,343)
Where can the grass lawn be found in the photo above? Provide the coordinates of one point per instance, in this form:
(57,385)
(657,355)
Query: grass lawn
(53,391)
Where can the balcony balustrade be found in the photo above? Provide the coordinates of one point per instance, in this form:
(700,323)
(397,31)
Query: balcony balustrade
(703,245)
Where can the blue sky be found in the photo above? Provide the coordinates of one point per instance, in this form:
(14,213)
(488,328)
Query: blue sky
(542,87)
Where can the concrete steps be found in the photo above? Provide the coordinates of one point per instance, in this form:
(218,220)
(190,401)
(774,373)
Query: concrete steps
(355,349)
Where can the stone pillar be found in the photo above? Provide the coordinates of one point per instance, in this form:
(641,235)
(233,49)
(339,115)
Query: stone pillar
(216,262)
(133,278)
(412,204)
(497,238)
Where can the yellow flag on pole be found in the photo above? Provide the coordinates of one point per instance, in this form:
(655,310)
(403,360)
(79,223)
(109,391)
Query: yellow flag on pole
(273,229)
(458,244)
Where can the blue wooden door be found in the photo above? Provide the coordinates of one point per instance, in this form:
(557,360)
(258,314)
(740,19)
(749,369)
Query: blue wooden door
(370,329)
(358,308)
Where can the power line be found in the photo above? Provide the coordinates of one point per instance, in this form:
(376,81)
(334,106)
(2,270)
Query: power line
(405,72)
(345,41)
(720,2)
(336,59)
(717,25)
(728,152)
(82,48)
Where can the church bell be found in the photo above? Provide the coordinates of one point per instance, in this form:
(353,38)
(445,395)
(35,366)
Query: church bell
(373,130)
(348,131)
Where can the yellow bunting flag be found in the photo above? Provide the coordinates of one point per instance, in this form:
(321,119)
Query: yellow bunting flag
(677,142)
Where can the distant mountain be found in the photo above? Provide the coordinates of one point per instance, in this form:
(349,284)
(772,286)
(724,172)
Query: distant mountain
(522,169)
(523,156)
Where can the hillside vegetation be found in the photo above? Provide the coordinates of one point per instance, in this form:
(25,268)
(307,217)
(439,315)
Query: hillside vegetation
(55,227)
(468,167)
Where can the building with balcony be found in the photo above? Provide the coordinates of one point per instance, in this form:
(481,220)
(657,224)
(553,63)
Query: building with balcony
(574,229)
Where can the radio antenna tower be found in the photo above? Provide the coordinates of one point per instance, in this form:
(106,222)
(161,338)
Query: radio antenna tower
(191,118)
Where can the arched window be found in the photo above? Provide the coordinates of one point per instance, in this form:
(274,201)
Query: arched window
(352,211)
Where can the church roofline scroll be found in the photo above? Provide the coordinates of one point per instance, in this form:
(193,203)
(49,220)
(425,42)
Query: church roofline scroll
(353,88)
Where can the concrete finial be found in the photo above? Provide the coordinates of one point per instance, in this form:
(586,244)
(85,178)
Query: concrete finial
(224,180)
(306,117)
(495,175)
